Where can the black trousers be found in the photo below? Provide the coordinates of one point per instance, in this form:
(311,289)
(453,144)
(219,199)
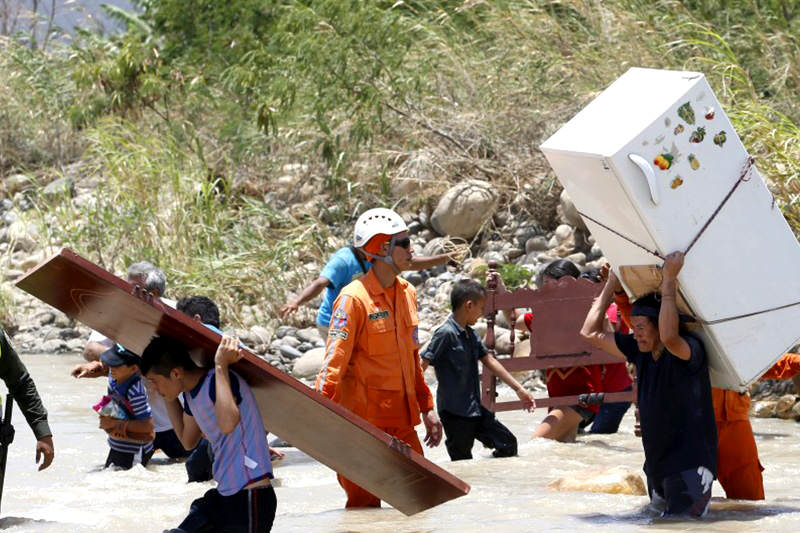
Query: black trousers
(247,511)
(169,443)
(461,432)
(124,460)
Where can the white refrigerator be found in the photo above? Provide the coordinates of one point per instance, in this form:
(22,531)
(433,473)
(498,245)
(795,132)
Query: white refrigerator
(647,163)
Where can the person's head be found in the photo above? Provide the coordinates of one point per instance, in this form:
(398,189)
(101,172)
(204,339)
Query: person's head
(556,270)
(200,308)
(121,362)
(644,322)
(148,276)
(467,298)
(166,362)
(382,235)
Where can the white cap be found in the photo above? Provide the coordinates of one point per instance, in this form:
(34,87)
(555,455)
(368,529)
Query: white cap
(374,222)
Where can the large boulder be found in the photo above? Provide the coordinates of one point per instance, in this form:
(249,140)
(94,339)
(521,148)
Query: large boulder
(308,365)
(616,480)
(785,407)
(463,209)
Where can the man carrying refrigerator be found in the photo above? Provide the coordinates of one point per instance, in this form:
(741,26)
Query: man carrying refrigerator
(674,393)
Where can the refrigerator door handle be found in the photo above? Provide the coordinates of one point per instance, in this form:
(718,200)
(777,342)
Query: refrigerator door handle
(649,175)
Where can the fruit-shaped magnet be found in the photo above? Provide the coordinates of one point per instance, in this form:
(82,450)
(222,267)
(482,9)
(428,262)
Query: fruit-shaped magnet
(686,113)
(693,162)
(709,113)
(720,138)
(678,129)
(698,135)
(677,182)
(663,161)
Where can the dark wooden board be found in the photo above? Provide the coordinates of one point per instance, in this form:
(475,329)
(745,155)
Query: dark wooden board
(321,428)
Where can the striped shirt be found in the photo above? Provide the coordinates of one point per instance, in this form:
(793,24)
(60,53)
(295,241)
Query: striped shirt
(242,456)
(135,405)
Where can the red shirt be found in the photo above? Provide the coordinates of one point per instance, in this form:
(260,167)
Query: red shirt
(571,381)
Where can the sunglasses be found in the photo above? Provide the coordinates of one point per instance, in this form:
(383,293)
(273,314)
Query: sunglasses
(403,243)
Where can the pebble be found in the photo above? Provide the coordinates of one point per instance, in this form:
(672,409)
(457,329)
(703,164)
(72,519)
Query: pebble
(289,352)
(294,342)
(308,334)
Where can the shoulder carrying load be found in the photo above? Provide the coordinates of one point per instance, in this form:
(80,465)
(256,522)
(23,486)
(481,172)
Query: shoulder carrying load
(654,166)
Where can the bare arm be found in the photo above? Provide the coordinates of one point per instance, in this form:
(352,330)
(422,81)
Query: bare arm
(594,330)
(185,426)
(499,370)
(668,320)
(225,407)
(423,262)
(308,293)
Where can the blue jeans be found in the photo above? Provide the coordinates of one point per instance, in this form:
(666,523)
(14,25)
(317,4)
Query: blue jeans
(610,415)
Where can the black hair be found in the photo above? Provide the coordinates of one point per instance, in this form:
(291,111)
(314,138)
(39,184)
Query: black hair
(649,306)
(466,290)
(592,274)
(558,269)
(163,354)
(202,306)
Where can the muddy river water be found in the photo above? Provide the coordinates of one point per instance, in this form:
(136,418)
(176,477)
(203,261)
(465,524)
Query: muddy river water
(75,494)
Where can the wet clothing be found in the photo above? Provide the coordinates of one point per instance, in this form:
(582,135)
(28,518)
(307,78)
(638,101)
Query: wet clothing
(200,463)
(242,456)
(571,381)
(124,460)
(461,432)
(131,396)
(372,364)
(454,352)
(675,408)
(343,267)
(169,443)
(20,384)
(686,493)
(739,467)
(246,511)
(610,415)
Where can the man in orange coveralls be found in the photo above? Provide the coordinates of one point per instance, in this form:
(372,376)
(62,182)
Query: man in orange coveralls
(738,467)
(739,470)
(372,364)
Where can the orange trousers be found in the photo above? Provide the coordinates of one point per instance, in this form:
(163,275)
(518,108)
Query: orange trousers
(738,467)
(358,497)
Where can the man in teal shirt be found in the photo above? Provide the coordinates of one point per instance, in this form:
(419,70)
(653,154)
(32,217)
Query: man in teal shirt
(345,265)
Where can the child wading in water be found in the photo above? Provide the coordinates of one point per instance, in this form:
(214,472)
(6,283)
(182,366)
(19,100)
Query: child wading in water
(219,404)
(454,352)
(130,431)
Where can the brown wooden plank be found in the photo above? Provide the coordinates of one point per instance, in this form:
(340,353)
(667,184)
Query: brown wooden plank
(321,428)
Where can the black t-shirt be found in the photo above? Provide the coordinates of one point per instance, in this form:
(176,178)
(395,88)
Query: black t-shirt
(675,408)
(454,353)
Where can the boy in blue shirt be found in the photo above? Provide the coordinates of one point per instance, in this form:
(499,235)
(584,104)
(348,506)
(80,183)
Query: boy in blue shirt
(219,404)
(454,352)
(134,434)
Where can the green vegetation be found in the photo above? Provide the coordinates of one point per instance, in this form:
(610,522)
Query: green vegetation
(192,118)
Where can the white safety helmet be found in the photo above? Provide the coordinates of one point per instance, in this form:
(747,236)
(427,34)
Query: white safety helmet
(375,222)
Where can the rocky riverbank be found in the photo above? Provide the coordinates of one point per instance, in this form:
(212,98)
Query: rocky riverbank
(468,217)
